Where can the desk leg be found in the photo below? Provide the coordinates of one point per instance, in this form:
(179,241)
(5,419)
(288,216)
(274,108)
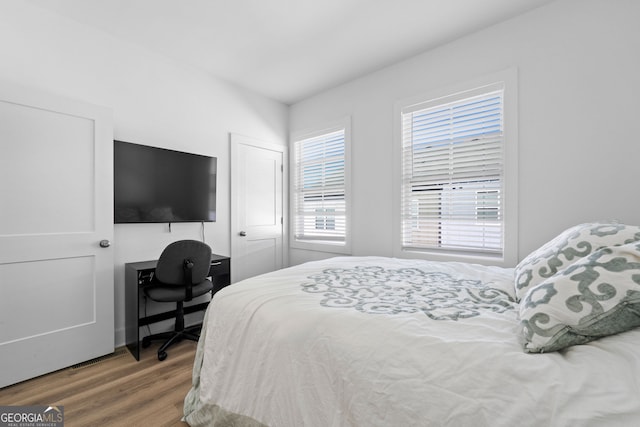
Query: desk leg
(132,304)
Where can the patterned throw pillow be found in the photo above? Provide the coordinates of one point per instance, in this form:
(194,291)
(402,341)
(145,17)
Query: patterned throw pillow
(567,248)
(597,296)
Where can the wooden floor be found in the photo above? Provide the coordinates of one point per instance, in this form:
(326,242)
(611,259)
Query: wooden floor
(115,390)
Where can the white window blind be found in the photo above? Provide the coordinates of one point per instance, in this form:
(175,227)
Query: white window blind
(452,173)
(319,188)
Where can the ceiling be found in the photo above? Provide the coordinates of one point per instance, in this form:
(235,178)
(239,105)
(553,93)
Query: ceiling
(289,49)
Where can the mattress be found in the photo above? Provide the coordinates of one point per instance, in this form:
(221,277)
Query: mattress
(374,341)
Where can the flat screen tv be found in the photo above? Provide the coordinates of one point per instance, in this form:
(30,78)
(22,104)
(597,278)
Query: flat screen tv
(158,185)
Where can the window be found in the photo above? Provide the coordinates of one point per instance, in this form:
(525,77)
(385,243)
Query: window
(320,190)
(453,173)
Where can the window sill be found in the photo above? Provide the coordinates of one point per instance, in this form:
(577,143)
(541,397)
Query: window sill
(451,256)
(322,246)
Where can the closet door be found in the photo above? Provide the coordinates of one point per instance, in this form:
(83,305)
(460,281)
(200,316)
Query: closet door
(56,206)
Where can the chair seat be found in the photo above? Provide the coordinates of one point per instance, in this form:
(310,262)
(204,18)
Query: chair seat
(164,293)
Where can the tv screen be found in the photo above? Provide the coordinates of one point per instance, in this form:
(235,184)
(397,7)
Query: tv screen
(159,185)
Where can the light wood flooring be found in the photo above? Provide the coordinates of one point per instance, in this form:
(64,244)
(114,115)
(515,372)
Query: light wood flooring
(115,390)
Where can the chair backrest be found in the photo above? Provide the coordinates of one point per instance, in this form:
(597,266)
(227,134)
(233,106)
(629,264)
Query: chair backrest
(170,267)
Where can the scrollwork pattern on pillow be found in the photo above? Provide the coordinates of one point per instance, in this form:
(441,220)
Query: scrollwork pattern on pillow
(596,296)
(567,248)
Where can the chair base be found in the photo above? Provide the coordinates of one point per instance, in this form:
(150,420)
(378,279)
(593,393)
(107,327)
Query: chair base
(192,333)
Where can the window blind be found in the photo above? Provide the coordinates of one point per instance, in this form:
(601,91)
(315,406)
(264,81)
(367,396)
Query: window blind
(452,174)
(319,188)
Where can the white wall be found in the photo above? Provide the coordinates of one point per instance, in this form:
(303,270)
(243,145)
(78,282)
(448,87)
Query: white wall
(578,67)
(155,102)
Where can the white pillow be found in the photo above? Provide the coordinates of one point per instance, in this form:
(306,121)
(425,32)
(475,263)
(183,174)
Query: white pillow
(596,296)
(567,248)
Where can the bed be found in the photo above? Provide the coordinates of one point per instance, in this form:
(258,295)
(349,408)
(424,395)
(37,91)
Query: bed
(375,341)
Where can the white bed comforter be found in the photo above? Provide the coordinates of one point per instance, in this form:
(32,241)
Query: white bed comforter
(371,341)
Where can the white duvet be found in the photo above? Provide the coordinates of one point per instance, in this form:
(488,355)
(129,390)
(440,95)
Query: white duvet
(371,341)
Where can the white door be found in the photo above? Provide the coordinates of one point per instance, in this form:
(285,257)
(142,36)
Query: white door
(257,200)
(56,205)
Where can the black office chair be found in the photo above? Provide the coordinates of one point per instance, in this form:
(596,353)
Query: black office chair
(181,274)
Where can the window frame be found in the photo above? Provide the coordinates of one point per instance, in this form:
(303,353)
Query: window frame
(507,79)
(341,247)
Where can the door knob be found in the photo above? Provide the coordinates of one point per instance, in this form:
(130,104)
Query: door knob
(243,233)
(105,243)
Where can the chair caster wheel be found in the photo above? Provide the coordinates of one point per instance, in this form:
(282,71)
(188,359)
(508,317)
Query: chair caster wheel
(162,355)
(146,342)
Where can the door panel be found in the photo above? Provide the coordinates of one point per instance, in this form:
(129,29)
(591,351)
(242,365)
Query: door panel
(41,193)
(57,278)
(264,255)
(260,197)
(56,189)
(257,195)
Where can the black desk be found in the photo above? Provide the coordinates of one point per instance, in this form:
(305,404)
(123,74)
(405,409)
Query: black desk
(139,274)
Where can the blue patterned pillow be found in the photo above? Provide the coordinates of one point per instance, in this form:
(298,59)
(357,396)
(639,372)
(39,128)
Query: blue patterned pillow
(569,247)
(596,296)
